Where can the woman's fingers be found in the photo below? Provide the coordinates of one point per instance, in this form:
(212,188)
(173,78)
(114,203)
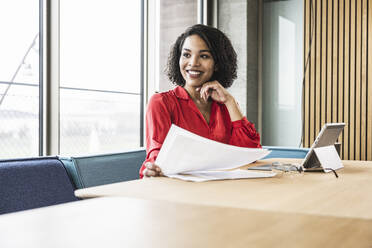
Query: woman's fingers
(206,90)
(152,170)
(149,165)
(157,169)
(205,95)
(215,90)
(149,173)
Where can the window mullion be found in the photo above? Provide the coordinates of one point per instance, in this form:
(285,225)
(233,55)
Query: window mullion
(52,80)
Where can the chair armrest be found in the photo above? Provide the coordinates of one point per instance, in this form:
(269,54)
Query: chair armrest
(89,171)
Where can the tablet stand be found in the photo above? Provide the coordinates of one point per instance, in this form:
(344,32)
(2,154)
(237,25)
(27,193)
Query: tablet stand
(325,158)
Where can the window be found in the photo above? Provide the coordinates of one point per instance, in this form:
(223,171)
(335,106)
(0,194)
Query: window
(19,78)
(100,70)
(282,68)
(100,62)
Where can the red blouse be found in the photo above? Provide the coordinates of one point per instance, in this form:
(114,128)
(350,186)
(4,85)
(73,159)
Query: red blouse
(176,106)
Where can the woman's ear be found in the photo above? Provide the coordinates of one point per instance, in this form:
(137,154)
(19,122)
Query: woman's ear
(215,68)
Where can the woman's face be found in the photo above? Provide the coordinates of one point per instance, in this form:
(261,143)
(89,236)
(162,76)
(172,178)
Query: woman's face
(196,62)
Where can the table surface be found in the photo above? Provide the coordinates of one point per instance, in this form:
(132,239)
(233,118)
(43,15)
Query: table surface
(129,222)
(308,210)
(314,193)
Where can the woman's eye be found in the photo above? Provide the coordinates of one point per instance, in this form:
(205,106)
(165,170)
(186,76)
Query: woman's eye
(186,55)
(204,56)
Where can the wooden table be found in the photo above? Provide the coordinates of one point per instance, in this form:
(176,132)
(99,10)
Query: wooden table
(129,222)
(294,210)
(321,194)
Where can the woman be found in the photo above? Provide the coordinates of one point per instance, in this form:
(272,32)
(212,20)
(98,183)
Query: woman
(202,63)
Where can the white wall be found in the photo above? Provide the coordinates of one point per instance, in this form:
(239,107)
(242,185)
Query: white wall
(239,20)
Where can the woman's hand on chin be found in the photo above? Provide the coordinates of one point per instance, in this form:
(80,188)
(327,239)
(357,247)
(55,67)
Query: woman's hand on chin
(216,91)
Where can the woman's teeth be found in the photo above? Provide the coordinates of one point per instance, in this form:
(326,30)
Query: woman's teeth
(194,72)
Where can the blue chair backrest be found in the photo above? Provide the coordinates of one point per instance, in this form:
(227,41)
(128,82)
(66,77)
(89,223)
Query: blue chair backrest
(286,152)
(32,183)
(89,171)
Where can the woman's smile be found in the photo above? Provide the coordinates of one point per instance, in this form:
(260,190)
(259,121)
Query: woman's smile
(194,73)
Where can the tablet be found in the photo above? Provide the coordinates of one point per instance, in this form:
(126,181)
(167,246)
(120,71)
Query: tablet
(326,137)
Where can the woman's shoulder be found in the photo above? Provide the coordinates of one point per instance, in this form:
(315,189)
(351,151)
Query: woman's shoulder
(167,97)
(160,95)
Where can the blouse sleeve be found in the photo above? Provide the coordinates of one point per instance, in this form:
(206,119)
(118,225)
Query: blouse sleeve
(244,134)
(158,123)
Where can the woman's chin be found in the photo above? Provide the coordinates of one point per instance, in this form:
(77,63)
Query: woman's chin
(194,83)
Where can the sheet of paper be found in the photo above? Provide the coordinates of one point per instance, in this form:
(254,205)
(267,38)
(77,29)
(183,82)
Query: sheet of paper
(183,151)
(202,176)
(328,158)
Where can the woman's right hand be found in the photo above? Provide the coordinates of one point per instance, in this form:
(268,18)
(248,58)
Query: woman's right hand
(152,170)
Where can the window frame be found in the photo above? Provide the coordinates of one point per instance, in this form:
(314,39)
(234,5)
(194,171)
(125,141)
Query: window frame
(49,114)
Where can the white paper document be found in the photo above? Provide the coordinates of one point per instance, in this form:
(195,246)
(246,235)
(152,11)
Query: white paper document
(202,176)
(185,154)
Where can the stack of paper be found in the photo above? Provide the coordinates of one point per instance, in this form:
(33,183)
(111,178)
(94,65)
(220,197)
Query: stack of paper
(188,156)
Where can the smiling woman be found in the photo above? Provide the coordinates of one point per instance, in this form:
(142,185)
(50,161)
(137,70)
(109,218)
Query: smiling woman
(202,63)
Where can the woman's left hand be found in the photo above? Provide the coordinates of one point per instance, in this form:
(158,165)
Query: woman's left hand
(216,91)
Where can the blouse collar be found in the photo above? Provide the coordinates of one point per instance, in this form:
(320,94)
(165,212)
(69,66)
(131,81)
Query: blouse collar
(181,93)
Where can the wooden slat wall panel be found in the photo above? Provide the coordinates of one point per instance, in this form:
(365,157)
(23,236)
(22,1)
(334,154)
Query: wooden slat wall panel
(338,79)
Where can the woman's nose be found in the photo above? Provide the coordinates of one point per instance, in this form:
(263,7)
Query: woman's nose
(194,61)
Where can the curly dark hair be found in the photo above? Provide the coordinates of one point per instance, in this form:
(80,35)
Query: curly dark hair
(222,51)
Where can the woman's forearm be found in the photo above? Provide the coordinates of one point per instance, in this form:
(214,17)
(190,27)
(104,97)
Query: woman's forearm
(234,110)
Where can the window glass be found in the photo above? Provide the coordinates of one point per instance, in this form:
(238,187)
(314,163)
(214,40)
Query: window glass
(19,78)
(98,122)
(100,45)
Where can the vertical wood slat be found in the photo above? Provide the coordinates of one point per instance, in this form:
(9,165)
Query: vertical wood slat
(369,82)
(357,79)
(335,61)
(307,28)
(345,140)
(318,62)
(363,101)
(352,81)
(312,82)
(323,65)
(340,66)
(329,61)
(338,80)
